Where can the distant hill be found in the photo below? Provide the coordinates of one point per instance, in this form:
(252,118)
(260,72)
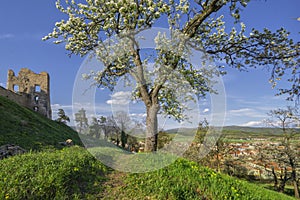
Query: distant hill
(30,130)
(269,130)
(238,131)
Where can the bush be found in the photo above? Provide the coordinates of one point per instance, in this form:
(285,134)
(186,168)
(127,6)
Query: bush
(71,173)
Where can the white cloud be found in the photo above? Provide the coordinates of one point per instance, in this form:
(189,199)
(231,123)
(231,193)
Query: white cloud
(119,98)
(58,106)
(138,115)
(66,108)
(246,112)
(242,101)
(121,94)
(206,110)
(254,124)
(6,36)
(246,117)
(240,112)
(117,101)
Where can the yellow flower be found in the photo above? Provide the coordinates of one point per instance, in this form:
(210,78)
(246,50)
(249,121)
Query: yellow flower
(6,196)
(75,169)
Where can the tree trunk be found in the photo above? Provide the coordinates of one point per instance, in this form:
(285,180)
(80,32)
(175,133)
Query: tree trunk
(295,184)
(296,189)
(151,129)
(123,139)
(275,179)
(294,172)
(283,180)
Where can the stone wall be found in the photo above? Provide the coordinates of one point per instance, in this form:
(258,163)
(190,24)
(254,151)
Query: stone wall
(30,90)
(22,99)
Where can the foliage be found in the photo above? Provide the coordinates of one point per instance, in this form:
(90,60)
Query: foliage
(30,130)
(107,126)
(213,158)
(123,122)
(71,173)
(187,180)
(62,117)
(163,139)
(123,139)
(81,120)
(95,128)
(113,127)
(286,119)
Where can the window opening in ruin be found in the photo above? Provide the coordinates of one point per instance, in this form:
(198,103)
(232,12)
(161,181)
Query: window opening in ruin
(37,88)
(36,99)
(16,88)
(35,108)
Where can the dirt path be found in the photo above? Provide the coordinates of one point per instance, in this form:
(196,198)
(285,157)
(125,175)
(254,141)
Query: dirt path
(113,186)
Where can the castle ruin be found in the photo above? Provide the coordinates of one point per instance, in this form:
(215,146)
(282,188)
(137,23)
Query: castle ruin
(30,90)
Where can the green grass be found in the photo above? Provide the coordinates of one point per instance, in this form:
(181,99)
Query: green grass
(71,173)
(186,180)
(30,130)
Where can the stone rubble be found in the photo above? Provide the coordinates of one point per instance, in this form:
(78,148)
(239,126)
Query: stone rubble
(10,150)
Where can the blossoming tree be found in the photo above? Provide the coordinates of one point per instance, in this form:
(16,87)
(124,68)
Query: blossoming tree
(91,23)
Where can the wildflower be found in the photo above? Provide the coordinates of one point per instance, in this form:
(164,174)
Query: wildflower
(75,169)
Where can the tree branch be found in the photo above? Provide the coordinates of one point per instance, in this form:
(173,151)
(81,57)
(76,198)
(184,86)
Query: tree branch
(191,27)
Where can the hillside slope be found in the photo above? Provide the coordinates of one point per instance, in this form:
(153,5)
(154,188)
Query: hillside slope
(30,130)
(73,173)
(186,180)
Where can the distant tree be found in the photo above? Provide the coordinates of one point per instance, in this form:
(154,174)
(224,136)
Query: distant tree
(103,124)
(95,128)
(287,120)
(123,122)
(109,128)
(62,117)
(203,127)
(193,153)
(91,23)
(216,153)
(81,120)
(163,139)
(132,143)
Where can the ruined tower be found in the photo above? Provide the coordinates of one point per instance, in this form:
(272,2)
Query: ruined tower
(33,89)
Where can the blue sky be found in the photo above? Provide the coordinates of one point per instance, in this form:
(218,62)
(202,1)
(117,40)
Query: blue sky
(24,23)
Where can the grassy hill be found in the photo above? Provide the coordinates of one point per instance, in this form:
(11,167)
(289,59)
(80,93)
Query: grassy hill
(239,132)
(70,173)
(184,179)
(30,130)
(73,173)
(266,131)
